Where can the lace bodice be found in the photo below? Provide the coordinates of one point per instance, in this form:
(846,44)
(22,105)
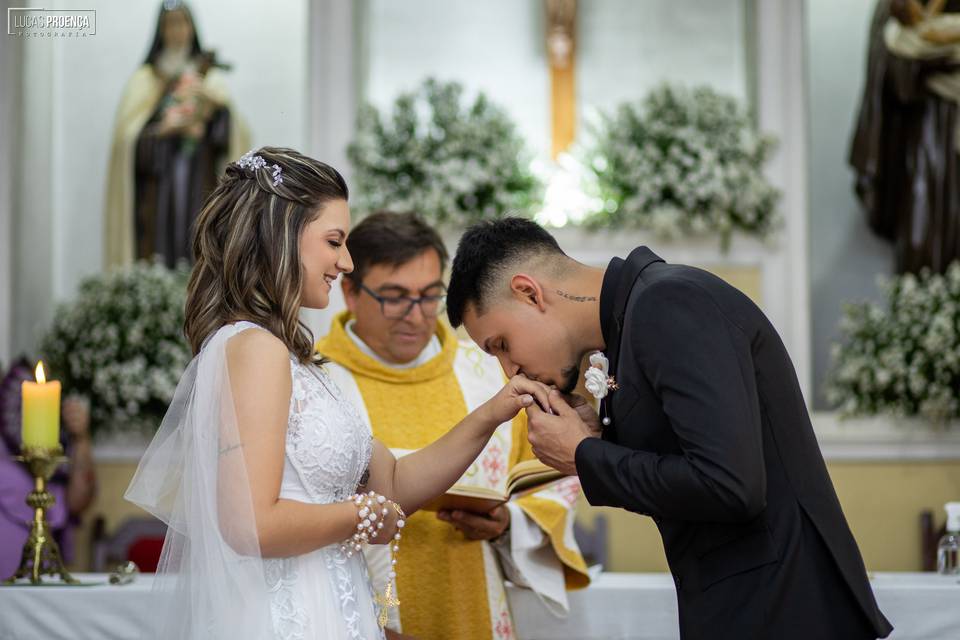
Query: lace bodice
(328,445)
(324,593)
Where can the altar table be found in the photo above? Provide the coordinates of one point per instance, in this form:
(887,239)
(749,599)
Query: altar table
(637,606)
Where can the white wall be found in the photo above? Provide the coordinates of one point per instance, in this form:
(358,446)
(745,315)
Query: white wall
(9,88)
(845,256)
(71,92)
(626,48)
(496,46)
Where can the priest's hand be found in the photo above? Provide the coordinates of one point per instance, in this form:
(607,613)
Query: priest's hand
(519,393)
(555,438)
(478,526)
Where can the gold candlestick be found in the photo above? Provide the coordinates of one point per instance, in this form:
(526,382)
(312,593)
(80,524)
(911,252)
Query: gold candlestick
(41,553)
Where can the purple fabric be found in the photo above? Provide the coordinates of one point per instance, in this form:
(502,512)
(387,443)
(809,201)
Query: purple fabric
(10,401)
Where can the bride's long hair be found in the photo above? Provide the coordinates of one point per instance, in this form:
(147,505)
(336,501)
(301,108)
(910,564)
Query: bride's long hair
(246,244)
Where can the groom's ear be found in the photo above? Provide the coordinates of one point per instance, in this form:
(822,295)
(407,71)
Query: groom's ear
(526,289)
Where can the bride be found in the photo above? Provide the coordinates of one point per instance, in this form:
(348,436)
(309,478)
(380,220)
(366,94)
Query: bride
(268,479)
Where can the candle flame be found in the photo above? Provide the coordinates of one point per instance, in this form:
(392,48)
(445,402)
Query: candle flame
(41,378)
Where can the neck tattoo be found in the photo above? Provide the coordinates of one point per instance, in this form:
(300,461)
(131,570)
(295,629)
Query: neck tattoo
(573,298)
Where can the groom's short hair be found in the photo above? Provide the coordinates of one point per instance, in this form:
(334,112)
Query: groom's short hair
(486,251)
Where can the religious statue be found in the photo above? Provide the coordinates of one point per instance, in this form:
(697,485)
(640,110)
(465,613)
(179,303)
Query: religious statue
(906,144)
(174,130)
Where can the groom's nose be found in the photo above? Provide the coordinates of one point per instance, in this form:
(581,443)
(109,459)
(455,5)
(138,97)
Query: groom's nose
(509,368)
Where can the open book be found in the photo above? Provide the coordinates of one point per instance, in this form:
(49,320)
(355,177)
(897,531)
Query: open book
(523,478)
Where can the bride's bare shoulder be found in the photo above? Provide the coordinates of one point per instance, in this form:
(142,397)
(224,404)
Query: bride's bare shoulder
(254,347)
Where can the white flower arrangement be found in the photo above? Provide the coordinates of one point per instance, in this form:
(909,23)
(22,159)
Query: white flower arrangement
(681,162)
(451,162)
(121,344)
(902,358)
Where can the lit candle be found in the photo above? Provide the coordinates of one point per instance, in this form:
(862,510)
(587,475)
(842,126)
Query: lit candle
(40,416)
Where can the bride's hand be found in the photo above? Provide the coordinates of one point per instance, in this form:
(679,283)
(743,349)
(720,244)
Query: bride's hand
(519,393)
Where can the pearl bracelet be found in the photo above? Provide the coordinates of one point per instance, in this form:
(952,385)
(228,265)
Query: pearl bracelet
(371,510)
(395,547)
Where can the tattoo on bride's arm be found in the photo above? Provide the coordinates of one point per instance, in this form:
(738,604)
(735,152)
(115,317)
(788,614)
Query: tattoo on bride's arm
(229,448)
(574,298)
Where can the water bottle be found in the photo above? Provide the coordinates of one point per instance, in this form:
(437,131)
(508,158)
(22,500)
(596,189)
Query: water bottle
(948,551)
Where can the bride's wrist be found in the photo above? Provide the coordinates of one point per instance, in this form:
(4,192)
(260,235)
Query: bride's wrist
(488,419)
(371,512)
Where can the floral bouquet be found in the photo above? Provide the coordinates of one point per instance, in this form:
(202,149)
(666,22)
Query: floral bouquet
(902,357)
(121,344)
(184,109)
(682,162)
(438,155)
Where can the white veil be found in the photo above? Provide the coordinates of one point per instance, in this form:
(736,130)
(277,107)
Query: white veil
(210,582)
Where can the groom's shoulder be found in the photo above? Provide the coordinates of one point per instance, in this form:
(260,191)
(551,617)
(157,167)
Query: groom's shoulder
(668,289)
(673,296)
(671,280)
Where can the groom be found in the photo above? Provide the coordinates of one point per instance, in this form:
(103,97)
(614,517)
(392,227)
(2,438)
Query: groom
(704,428)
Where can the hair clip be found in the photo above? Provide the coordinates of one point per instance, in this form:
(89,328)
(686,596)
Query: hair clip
(254,162)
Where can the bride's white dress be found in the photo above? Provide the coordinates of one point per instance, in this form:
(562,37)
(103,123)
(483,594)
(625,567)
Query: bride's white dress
(323,594)
(211,566)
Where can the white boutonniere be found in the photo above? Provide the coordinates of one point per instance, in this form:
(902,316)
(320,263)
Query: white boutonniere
(599,382)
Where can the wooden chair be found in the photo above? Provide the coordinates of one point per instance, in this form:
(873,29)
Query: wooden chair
(592,541)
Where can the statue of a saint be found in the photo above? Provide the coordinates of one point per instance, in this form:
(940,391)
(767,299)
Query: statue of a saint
(174,129)
(904,150)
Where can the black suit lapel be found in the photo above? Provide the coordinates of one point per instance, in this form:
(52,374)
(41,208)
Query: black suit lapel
(638,260)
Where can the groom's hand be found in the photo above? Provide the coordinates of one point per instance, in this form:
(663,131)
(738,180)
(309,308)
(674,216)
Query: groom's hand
(554,438)
(586,412)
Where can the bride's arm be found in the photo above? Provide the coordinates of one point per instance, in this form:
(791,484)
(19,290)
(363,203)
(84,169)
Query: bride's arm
(414,479)
(259,369)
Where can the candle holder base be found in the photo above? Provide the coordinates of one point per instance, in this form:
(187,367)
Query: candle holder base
(41,557)
(41,553)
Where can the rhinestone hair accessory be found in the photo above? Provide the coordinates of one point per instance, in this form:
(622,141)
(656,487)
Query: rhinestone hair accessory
(254,163)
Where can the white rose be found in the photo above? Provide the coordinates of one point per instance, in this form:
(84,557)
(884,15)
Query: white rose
(597,359)
(596,383)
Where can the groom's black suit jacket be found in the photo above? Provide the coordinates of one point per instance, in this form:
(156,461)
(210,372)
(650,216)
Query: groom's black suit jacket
(710,436)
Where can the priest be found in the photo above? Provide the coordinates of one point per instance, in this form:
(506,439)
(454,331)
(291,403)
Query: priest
(412,379)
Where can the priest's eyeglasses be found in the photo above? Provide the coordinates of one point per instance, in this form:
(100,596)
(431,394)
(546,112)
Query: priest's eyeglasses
(397,307)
